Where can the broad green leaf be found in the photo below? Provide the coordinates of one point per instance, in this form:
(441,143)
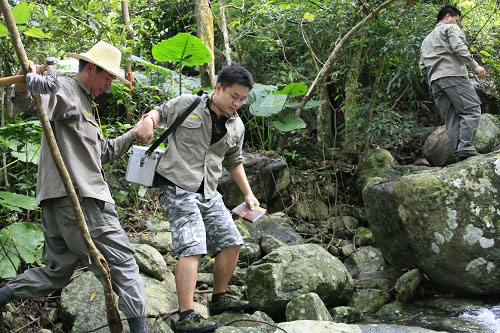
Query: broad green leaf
(308,16)
(29,152)
(269,105)
(309,105)
(3,30)
(24,239)
(184,48)
(290,123)
(259,91)
(119,196)
(142,191)
(293,89)
(163,70)
(37,33)
(14,200)
(21,13)
(483,52)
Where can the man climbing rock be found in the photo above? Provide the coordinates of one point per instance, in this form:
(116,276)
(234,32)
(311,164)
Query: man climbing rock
(444,57)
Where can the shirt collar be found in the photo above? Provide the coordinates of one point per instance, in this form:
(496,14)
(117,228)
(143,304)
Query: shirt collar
(209,98)
(81,85)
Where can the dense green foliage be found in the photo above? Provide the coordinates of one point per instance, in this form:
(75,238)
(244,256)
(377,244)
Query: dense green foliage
(283,43)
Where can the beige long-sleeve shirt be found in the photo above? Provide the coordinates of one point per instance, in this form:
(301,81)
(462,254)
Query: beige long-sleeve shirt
(190,159)
(444,53)
(78,136)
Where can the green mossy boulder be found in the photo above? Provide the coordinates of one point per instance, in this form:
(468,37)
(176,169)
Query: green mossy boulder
(446,222)
(369,300)
(291,271)
(150,261)
(307,307)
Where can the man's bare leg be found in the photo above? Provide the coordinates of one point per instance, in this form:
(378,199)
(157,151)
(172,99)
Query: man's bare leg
(225,264)
(186,273)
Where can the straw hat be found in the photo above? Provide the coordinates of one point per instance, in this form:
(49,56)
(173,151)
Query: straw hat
(105,56)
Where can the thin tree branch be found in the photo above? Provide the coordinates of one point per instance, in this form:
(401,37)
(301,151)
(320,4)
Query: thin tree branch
(329,63)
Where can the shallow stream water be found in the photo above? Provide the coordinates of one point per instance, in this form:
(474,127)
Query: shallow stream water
(469,319)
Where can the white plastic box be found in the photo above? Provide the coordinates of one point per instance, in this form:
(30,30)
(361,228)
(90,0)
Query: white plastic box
(141,168)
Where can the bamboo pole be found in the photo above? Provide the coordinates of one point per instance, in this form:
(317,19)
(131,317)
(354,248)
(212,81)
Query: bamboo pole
(113,316)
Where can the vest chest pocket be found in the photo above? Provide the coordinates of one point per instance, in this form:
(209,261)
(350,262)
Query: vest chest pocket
(189,131)
(90,129)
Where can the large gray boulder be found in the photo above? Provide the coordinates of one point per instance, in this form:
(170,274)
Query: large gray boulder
(291,271)
(307,307)
(149,260)
(377,164)
(437,148)
(82,304)
(267,174)
(446,222)
(276,225)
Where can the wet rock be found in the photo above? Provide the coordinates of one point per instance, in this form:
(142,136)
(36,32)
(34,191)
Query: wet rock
(247,321)
(269,243)
(437,148)
(344,226)
(162,241)
(440,213)
(156,225)
(345,314)
(453,305)
(369,300)
(307,307)
(348,250)
(82,304)
(276,225)
(390,310)
(314,209)
(150,261)
(268,174)
(206,278)
(363,236)
(407,286)
(291,271)
(249,253)
(366,260)
(239,276)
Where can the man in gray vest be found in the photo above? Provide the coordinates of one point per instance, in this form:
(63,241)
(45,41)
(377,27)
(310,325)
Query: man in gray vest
(210,138)
(444,57)
(84,149)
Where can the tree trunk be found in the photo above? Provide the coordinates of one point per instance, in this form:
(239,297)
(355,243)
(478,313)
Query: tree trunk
(349,141)
(205,27)
(4,179)
(324,120)
(113,316)
(130,39)
(223,27)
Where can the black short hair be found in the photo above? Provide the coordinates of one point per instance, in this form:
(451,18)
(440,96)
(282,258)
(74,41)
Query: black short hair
(452,10)
(230,75)
(82,63)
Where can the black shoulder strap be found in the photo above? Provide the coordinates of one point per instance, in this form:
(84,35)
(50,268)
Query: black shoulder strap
(176,123)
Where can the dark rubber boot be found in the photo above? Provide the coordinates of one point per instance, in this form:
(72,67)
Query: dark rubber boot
(137,325)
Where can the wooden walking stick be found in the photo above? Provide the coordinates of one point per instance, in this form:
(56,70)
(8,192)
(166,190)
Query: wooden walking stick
(113,316)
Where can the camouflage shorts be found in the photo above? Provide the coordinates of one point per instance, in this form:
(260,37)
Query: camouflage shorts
(198,226)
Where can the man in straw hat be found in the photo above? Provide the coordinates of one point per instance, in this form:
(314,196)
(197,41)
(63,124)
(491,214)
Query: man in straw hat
(84,150)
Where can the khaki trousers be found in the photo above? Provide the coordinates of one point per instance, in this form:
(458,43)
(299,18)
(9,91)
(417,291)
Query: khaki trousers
(64,249)
(460,108)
